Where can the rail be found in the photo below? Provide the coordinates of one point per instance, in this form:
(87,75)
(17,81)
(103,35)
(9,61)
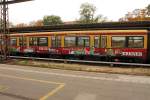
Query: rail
(82,61)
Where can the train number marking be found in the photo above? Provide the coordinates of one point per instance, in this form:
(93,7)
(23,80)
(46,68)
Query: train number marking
(132,53)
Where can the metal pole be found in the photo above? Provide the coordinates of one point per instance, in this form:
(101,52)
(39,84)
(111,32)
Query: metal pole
(5,31)
(4,27)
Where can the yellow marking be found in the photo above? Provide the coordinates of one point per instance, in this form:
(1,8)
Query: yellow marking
(91,41)
(54,91)
(79,32)
(145,41)
(49,41)
(30,79)
(2,88)
(62,41)
(17,41)
(108,41)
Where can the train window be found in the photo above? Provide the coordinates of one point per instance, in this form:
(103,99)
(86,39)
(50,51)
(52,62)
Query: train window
(96,41)
(70,41)
(53,41)
(118,41)
(13,41)
(135,41)
(22,41)
(103,42)
(56,41)
(43,41)
(33,41)
(1,41)
(84,41)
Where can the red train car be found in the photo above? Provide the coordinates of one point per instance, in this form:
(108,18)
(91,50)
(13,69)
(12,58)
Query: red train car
(113,44)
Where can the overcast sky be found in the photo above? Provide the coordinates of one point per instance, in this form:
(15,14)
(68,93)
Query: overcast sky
(68,10)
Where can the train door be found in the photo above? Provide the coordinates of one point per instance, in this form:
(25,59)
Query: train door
(22,43)
(33,44)
(13,44)
(100,41)
(55,41)
(103,45)
(100,44)
(42,45)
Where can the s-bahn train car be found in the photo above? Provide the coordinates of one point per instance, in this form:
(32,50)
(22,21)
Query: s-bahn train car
(117,43)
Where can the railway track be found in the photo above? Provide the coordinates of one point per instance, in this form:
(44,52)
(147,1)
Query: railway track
(84,61)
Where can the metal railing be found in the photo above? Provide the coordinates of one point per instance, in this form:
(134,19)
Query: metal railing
(83,61)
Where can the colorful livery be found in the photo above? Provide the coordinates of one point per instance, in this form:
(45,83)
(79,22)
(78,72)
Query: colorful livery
(120,44)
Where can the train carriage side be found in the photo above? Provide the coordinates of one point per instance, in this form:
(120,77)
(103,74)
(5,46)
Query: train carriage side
(107,45)
(110,45)
(129,46)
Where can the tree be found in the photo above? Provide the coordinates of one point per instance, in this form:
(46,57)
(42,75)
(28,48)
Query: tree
(52,20)
(136,12)
(21,25)
(137,15)
(36,23)
(100,18)
(87,14)
(148,10)
(39,23)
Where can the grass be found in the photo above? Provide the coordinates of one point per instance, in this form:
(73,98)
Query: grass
(80,67)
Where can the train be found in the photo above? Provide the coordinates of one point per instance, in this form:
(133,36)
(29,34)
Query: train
(110,41)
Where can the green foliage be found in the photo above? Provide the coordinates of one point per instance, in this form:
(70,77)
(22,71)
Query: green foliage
(148,10)
(141,14)
(87,14)
(52,20)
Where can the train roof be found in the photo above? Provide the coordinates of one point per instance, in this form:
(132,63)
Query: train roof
(138,25)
